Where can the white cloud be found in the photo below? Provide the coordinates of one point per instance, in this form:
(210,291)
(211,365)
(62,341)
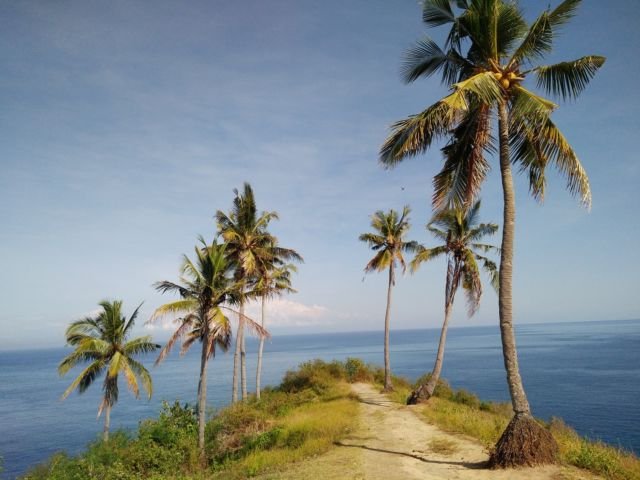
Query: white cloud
(281,312)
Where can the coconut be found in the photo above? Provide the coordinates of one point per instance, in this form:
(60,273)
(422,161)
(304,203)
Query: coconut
(505,83)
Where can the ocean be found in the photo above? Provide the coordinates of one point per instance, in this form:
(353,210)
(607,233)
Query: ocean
(586,373)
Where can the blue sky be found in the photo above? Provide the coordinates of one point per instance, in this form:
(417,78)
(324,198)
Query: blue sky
(125,125)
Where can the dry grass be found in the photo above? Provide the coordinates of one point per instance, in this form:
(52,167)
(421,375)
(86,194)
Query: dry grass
(443,446)
(307,431)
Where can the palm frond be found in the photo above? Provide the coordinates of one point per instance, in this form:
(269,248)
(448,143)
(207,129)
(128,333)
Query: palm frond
(174,308)
(437,12)
(424,254)
(140,345)
(426,58)
(491,268)
(567,80)
(415,134)
(86,378)
(144,375)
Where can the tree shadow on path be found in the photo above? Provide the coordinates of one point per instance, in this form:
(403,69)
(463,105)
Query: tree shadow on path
(469,465)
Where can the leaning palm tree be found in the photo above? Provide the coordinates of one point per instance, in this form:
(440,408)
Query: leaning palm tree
(489,54)
(206,287)
(274,280)
(389,244)
(102,340)
(461,234)
(248,246)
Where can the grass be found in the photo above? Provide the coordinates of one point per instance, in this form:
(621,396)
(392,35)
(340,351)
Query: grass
(442,446)
(459,411)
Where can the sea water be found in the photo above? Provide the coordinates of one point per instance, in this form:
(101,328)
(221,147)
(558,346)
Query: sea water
(586,373)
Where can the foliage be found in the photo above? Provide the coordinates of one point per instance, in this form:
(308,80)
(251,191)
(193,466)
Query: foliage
(102,342)
(301,418)
(485,68)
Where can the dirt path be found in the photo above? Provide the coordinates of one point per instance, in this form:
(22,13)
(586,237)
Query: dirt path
(394,443)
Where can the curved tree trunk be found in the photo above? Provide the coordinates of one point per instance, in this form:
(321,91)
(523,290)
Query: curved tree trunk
(107,422)
(260,349)
(388,386)
(425,392)
(202,399)
(236,358)
(524,442)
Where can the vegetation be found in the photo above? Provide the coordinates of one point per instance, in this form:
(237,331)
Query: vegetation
(461,233)
(303,417)
(489,53)
(206,286)
(389,244)
(101,341)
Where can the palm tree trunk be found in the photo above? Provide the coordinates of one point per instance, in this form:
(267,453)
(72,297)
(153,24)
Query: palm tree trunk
(430,387)
(524,441)
(516,388)
(202,398)
(243,364)
(236,356)
(425,392)
(387,317)
(107,422)
(260,348)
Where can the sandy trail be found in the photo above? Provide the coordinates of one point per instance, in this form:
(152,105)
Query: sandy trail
(393,442)
(397,444)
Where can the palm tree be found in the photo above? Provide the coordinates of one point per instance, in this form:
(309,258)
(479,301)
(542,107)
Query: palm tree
(248,247)
(274,279)
(101,341)
(490,52)
(389,244)
(461,234)
(205,287)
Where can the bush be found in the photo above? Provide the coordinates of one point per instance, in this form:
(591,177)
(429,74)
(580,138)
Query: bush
(357,371)
(466,398)
(317,376)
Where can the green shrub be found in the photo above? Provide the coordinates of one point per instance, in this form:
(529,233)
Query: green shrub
(357,371)
(466,398)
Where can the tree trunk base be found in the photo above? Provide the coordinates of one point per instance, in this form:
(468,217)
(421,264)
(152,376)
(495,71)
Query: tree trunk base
(388,389)
(524,443)
(419,395)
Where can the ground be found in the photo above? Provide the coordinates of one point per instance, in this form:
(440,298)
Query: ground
(393,442)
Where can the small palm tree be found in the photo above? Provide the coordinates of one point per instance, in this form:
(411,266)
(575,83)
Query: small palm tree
(248,247)
(389,244)
(462,235)
(489,55)
(101,341)
(205,287)
(274,280)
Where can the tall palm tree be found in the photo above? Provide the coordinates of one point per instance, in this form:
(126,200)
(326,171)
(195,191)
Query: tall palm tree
(205,287)
(248,246)
(389,244)
(101,341)
(274,280)
(491,52)
(461,234)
